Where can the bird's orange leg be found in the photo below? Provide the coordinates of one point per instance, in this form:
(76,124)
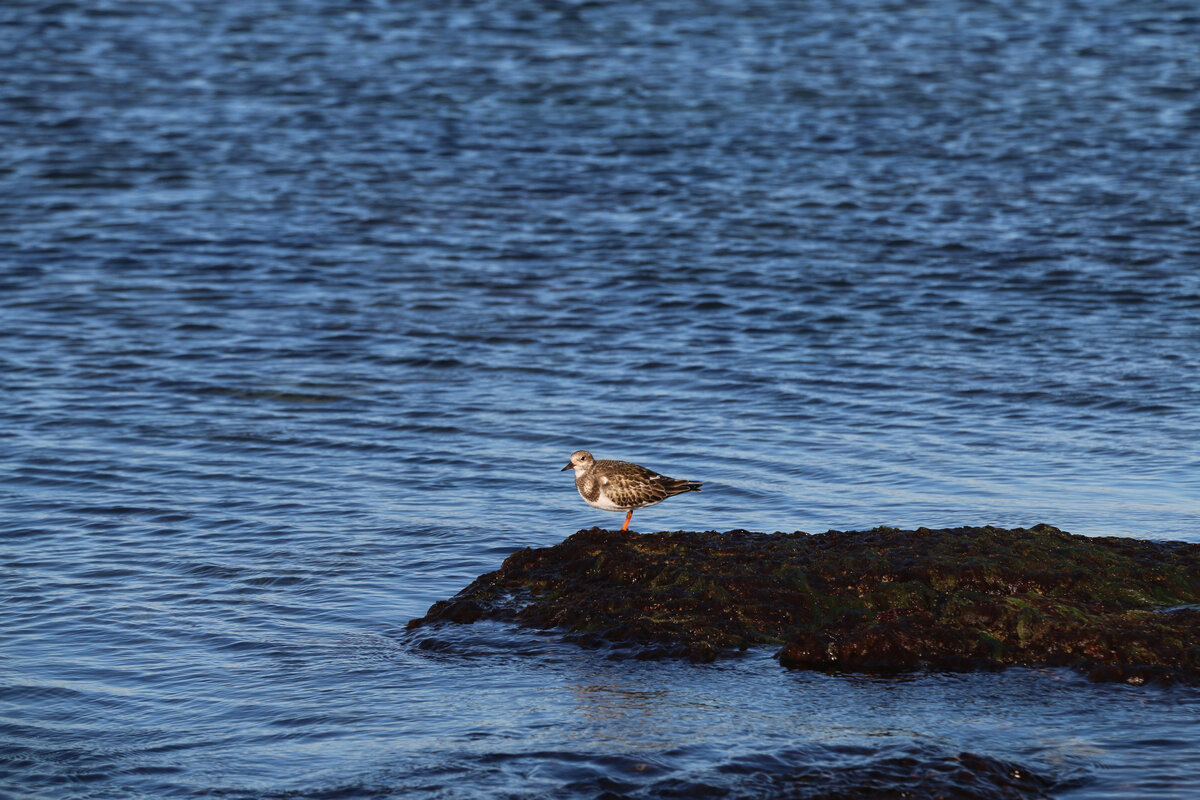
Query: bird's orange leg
(628,517)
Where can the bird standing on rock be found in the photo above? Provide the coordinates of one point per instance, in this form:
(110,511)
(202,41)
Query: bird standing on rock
(622,486)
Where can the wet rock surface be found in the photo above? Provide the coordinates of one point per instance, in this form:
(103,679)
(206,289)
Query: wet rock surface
(883,600)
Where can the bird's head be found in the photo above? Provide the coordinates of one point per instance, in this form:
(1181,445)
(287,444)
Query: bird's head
(579,459)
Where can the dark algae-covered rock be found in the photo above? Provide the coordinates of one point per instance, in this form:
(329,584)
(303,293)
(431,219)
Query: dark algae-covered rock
(883,600)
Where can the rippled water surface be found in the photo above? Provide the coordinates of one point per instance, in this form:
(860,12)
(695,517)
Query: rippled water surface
(304,305)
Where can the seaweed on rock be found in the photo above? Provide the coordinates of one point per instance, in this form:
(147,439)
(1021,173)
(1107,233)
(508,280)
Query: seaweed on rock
(882,600)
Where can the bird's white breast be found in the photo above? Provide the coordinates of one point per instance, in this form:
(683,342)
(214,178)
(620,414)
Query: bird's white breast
(593,485)
(603,501)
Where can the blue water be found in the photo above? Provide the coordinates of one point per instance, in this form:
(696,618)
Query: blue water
(303,306)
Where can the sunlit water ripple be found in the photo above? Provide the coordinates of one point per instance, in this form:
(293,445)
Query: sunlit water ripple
(303,306)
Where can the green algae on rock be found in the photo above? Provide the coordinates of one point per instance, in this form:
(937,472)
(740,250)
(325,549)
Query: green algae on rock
(882,600)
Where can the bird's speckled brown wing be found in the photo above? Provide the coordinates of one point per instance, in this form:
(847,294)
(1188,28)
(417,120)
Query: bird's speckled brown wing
(633,486)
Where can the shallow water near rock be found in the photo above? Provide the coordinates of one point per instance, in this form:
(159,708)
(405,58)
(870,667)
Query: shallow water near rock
(303,306)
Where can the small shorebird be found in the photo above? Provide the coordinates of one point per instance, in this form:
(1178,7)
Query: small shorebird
(621,486)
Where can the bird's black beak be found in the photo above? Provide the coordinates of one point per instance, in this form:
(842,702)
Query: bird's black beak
(567,467)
